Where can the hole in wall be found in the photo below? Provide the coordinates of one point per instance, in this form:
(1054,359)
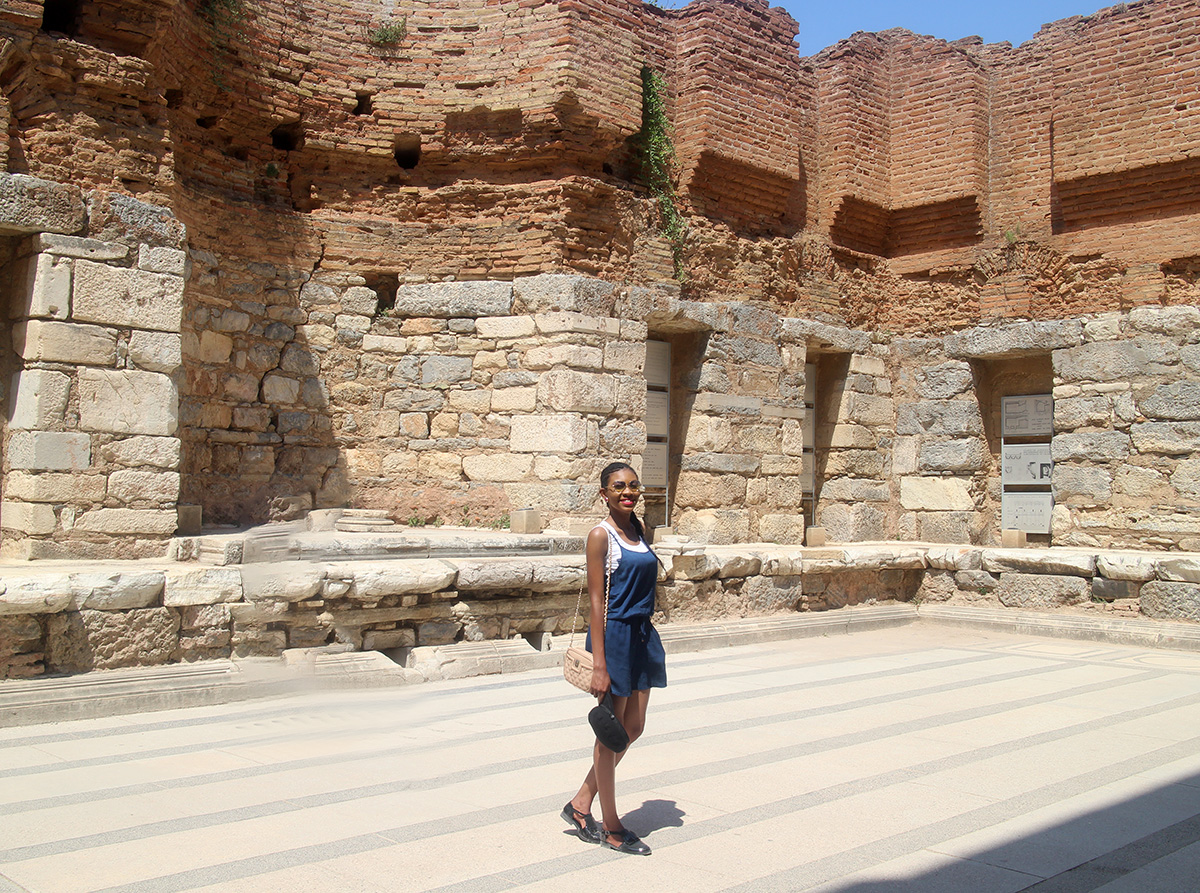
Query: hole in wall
(288,137)
(62,16)
(174,98)
(407,150)
(364,106)
(207,121)
(385,285)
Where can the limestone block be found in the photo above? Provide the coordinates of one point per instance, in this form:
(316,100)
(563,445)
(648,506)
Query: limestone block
(494,573)
(937,494)
(498,466)
(36,593)
(438,466)
(156,351)
(514,400)
(105,640)
(1081,486)
(1186,478)
(141,450)
(162,260)
(1170,601)
(447,300)
(821,334)
(951,418)
(1055,562)
(476,400)
(414,424)
(186,585)
(384,344)
(49,451)
(360,300)
(553,497)
(1113,590)
(1179,400)
(1137,568)
(317,334)
(1183,569)
(131,485)
(525,521)
(855,437)
(699,490)
(122,522)
(1177,320)
(623,356)
(282,581)
(953,558)
(714,525)
(117,296)
(570,391)
(388,639)
(38,399)
(501,328)
(1039,591)
(76,246)
(33,519)
(490,360)
(1096,446)
(1013,539)
(868,365)
(957,456)
(1167,438)
(559,291)
(115,590)
(47,293)
(352,323)
(848,523)
(1078,412)
(548,434)
(376,580)
(945,527)
(569,322)
(865,409)
(784,529)
(944,381)
(32,205)
(74,488)
(705,433)
(772,464)
(855,490)
(280,389)
(1013,339)
(728,404)
(514,378)
(64,342)
(573,356)
(440,372)
(127,402)
(730,463)
(214,347)
(1115,360)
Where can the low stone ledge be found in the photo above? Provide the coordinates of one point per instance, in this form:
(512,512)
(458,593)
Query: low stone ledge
(1141,633)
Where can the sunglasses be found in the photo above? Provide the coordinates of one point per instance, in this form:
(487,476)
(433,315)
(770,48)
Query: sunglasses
(620,487)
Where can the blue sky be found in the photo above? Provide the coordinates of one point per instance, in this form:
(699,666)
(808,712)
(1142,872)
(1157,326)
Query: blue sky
(825,22)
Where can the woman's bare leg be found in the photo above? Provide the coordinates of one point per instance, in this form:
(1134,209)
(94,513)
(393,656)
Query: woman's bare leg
(601,778)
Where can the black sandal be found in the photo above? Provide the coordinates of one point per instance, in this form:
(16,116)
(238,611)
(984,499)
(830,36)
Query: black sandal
(630,843)
(582,824)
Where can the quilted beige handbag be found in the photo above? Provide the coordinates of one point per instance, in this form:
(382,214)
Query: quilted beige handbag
(577,664)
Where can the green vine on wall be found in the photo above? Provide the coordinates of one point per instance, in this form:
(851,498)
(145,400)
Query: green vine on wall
(656,140)
(223,19)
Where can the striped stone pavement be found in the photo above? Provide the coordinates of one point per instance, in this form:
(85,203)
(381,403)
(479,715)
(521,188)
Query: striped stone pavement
(922,758)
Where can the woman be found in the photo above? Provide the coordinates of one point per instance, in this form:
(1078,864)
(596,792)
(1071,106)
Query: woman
(627,654)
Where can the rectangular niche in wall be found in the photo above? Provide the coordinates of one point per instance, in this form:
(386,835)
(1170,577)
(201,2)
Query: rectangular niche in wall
(656,459)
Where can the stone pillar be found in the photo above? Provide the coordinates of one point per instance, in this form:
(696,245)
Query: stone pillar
(91,459)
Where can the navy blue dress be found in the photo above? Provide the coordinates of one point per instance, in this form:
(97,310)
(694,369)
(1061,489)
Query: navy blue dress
(632,649)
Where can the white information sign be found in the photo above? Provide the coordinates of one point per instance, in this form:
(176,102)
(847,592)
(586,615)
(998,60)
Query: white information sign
(806,472)
(1026,511)
(654,467)
(810,428)
(658,414)
(810,383)
(1026,463)
(1028,415)
(658,364)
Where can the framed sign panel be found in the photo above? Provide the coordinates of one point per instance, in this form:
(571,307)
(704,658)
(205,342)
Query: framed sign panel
(658,414)
(1026,463)
(658,364)
(1027,415)
(654,467)
(1026,511)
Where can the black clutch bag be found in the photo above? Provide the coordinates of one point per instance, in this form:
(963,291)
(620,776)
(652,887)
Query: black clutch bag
(607,727)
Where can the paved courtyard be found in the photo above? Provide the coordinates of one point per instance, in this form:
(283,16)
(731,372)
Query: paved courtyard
(923,758)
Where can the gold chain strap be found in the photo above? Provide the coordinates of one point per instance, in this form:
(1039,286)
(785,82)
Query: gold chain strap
(579,597)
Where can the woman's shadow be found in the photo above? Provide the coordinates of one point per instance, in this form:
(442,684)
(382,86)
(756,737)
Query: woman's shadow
(653,815)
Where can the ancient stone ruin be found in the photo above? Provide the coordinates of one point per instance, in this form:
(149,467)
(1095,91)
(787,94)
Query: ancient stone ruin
(438,262)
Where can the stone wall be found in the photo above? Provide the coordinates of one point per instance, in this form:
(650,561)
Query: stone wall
(91,447)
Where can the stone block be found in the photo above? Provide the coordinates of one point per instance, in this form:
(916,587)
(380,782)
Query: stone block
(1176,401)
(956,456)
(80,641)
(1096,446)
(438,371)
(573,356)
(868,365)
(127,402)
(700,490)
(282,581)
(184,585)
(936,494)
(569,322)
(142,450)
(1041,591)
(785,529)
(816,536)
(525,521)
(47,293)
(438,632)
(1113,590)
(28,518)
(116,590)
(730,463)
(945,527)
(569,391)
(559,291)
(360,300)
(497,466)
(944,381)
(438,466)
(502,328)
(377,580)
(548,434)
(1013,539)
(950,418)
(156,351)
(32,205)
(49,451)
(626,357)
(1116,361)
(75,488)
(1176,320)
(494,574)
(280,389)
(1081,486)
(715,526)
(1167,438)
(476,400)
(131,485)
(865,409)
(189,520)
(1182,569)
(553,497)
(854,523)
(48,341)
(38,399)
(1013,339)
(1139,568)
(125,522)
(846,436)
(163,260)
(447,300)
(117,296)
(388,639)
(1078,412)
(384,344)
(1049,562)
(514,400)
(77,246)
(1164,600)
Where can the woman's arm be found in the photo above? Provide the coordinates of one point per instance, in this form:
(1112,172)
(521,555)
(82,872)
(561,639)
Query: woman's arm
(597,556)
